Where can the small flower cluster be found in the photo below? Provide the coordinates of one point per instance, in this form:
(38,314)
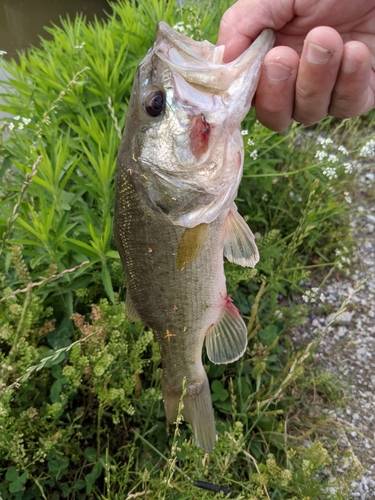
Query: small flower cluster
(250,142)
(330,172)
(2,53)
(254,154)
(21,123)
(348,198)
(322,154)
(311,295)
(184,29)
(368,150)
(342,257)
(79,47)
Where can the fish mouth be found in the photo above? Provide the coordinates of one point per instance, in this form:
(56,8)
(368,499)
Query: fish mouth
(201,63)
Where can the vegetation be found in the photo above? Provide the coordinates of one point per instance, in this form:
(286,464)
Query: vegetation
(81,412)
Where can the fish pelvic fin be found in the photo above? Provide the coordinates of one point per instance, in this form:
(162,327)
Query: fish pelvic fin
(226,340)
(191,245)
(239,242)
(197,411)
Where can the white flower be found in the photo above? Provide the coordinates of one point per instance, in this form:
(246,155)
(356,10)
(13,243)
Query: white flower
(368,149)
(330,172)
(254,154)
(291,194)
(265,197)
(305,298)
(325,142)
(333,158)
(322,297)
(244,132)
(347,197)
(20,126)
(321,155)
(343,150)
(180,27)
(26,121)
(348,168)
(11,126)
(17,118)
(250,142)
(79,47)
(3,53)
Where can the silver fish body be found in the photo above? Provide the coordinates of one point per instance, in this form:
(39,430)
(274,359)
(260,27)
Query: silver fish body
(178,170)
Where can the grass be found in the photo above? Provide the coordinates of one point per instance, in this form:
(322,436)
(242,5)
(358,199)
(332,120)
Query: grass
(81,412)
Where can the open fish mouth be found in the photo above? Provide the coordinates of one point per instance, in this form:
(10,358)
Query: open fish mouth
(201,63)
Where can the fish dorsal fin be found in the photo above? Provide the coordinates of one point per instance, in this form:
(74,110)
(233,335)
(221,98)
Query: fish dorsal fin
(191,245)
(226,340)
(130,309)
(239,243)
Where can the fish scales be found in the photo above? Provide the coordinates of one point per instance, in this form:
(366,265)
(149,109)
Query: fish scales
(177,175)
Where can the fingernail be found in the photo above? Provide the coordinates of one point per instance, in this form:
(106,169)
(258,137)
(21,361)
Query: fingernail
(317,54)
(277,72)
(349,66)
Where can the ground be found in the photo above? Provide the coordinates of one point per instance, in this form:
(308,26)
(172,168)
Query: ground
(347,349)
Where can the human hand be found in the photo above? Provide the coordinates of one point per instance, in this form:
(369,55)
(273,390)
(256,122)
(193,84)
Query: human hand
(323,61)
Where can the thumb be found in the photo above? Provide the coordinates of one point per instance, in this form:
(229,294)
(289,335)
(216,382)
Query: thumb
(243,22)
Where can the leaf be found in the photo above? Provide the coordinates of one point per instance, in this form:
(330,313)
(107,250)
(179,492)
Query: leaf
(219,393)
(107,282)
(268,335)
(17,485)
(56,389)
(57,466)
(90,454)
(82,248)
(112,254)
(60,337)
(12,474)
(79,484)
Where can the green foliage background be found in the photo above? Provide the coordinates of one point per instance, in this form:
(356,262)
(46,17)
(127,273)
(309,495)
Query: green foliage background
(81,413)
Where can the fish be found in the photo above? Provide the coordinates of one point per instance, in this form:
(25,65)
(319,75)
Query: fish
(178,169)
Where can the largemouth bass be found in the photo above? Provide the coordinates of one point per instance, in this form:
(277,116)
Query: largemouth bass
(178,170)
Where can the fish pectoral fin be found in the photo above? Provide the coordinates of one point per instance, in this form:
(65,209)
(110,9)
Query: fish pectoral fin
(239,242)
(226,340)
(191,245)
(130,309)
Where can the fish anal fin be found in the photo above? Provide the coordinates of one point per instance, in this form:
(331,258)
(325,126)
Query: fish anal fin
(130,309)
(239,242)
(226,340)
(191,245)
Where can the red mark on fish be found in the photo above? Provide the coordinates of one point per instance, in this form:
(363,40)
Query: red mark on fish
(200,131)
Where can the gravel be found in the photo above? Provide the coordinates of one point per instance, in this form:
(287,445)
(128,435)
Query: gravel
(347,349)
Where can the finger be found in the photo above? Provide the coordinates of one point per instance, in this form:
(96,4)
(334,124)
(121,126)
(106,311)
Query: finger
(243,22)
(274,98)
(317,74)
(352,94)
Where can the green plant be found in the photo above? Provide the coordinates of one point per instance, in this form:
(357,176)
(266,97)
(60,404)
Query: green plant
(81,411)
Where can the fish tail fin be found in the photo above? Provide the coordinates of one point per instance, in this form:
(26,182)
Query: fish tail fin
(197,411)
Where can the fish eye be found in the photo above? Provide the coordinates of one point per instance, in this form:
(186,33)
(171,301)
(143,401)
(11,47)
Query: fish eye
(154,103)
